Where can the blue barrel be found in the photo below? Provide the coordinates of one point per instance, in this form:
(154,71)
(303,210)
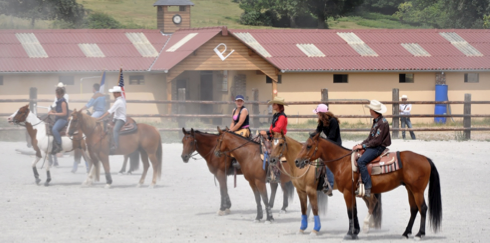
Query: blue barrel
(441,95)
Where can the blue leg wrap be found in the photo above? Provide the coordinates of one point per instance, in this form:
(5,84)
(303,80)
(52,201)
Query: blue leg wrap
(318,224)
(304,222)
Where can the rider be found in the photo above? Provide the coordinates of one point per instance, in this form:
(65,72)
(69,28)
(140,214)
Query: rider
(240,121)
(328,123)
(97,101)
(379,138)
(119,110)
(279,119)
(61,113)
(66,96)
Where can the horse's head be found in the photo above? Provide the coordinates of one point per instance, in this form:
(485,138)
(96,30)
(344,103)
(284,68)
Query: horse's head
(309,151)
(190,144)
(220,146)
(20,115)
(278,147)
(74,123)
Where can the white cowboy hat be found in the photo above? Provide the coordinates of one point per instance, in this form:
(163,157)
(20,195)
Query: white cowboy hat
(404,97)
(277,100)
(60,85)
(115,89)
(377,106)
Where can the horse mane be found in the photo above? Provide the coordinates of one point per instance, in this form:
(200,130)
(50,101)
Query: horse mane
(237,135)
(205,133)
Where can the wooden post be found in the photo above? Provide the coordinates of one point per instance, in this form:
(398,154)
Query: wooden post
(255,108)
(467,119)
(181,107)
(274,89)
(395,111)
(33,96)
(325,96)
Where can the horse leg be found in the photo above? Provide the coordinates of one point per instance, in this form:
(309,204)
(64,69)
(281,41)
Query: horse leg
(303,199)
(88,162)
(413,214)
(223,190)
(419,200)
(260,214)
(77,158)
(285,198)
(104,158)
(273,194)
(154,165)
(312,196)
(123,168)
(354,228)
(34,169)
(48,173)
(370,203)
(263,192)
(146,165)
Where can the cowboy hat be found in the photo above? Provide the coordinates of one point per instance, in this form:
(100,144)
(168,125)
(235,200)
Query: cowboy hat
(377,106)
(277,100)
(60,85)
(115,89)
(404,97)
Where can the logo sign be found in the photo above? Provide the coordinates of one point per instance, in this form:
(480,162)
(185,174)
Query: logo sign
(221,53)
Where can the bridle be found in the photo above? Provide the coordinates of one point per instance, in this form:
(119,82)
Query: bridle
(218,151)
(195,153)
(283,147)
(328,161)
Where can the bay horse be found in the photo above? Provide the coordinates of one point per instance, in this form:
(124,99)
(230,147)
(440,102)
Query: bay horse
(42,143)
(304,179)
(204,144)
(416,172)
(146,140)
(247,154)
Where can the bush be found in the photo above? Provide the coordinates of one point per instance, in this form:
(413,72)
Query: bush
(256,18)
(102,21)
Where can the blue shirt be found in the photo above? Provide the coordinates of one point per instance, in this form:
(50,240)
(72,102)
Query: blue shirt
(98,103)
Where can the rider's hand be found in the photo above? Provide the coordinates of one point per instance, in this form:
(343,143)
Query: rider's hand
(358,146)
(263,133)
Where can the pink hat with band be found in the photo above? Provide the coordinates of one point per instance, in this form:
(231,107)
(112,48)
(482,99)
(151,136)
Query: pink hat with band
(321,108)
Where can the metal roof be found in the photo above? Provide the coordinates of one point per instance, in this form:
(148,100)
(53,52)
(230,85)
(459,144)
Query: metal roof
(79,50)
(173,3)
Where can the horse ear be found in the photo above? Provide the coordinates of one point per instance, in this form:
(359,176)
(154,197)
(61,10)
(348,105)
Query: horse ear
(226,128)
(282,133)
(183,130)
(317,136)
(219,130)
(192,131)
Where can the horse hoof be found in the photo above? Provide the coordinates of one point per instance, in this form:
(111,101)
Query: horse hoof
(221,213)
(365,228)
(351,237)
(257,221)
(227,211)
(300,232)
(314,233)
(282,211)
(151,186)
(417,238)
(107,186)
(38,181)
(139,185)
(46,184)
(268,222)
(406,236)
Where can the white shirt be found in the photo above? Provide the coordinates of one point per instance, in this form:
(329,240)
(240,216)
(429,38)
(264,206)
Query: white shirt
(405,109)
(67,98)
(119,109)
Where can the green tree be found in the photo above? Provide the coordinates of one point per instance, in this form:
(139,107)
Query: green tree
(324,9)
(102,21)
(382,6)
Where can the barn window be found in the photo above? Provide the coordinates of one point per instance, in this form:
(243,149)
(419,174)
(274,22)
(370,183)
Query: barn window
(471,78)
(405,77)
(67,80)
(136,79)
(268,80)
(340,78)
(1,80)
(182,8)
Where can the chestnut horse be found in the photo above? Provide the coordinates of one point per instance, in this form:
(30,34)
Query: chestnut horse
(220,167)
(304,179)
(146,140)
(247,153)
(415,173)
(43,144)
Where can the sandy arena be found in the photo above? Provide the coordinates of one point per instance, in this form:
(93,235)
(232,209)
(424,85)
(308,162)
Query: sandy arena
(183,206)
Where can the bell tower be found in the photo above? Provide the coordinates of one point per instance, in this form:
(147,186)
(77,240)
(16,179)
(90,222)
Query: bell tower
(173,15)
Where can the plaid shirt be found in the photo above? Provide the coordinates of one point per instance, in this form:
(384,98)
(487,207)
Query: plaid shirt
(379,134)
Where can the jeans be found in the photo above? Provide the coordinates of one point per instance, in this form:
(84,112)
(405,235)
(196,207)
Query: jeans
(368,156)
(58,125)
(330,176)
(406,120)
(115,133)
(97,114)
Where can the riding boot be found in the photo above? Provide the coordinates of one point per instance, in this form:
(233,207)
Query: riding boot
(235,163)
(56,148)
(327,188)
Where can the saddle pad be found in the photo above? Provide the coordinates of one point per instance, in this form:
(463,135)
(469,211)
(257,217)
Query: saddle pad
(387,163)
(129,127)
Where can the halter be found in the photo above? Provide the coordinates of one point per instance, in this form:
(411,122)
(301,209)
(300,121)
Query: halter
(195,153)
(218,152)
(283,147)
(282,167)
(25,114)
(332,160)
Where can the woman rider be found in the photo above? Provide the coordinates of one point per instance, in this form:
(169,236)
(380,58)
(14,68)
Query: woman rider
(61,113)
(240,121)
(279,120)
(328,123)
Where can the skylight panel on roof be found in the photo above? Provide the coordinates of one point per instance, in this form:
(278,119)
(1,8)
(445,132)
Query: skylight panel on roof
(144,47)
(462,45)
(91,50)
(357,44)
(416,49)
(181,42)
(251,41)
(31,45)
(310,50)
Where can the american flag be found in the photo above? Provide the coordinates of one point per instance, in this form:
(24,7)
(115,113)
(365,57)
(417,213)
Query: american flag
(121,82)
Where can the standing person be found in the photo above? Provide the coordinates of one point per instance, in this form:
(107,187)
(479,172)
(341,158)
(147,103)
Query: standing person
(405,109)
(328,123)
(240,120)
(378,139)
(66,96)
(97,101)
(279,119)
(119,111)
(61,113)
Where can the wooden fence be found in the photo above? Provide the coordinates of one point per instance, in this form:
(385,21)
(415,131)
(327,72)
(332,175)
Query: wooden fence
(255,115)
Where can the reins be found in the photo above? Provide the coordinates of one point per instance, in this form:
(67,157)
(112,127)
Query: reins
(229,151)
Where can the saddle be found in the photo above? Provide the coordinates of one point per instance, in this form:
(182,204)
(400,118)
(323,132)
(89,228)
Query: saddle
(387,162)
(129,127)
(49,121)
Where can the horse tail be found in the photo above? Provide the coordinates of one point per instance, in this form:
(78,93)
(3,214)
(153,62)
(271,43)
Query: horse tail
(322,200)
(435,201)
(159,158)
(378,211)
(290,190)
(134,161)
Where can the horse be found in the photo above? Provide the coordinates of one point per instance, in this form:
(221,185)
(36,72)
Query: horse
(220,167)
(42,143)
(416,172)
(304,180)
(247,153)
(146,140)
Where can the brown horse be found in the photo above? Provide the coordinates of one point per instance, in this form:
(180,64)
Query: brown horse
(415,173)
(220,167)
(146,140)
(303,179)
(247,153)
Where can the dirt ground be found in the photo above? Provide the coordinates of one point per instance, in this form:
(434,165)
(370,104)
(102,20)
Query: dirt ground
(183,206)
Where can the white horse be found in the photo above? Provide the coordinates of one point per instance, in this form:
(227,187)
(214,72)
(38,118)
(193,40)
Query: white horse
(43,144)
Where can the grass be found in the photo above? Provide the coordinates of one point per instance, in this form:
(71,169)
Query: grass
(8,22)
(368,20)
